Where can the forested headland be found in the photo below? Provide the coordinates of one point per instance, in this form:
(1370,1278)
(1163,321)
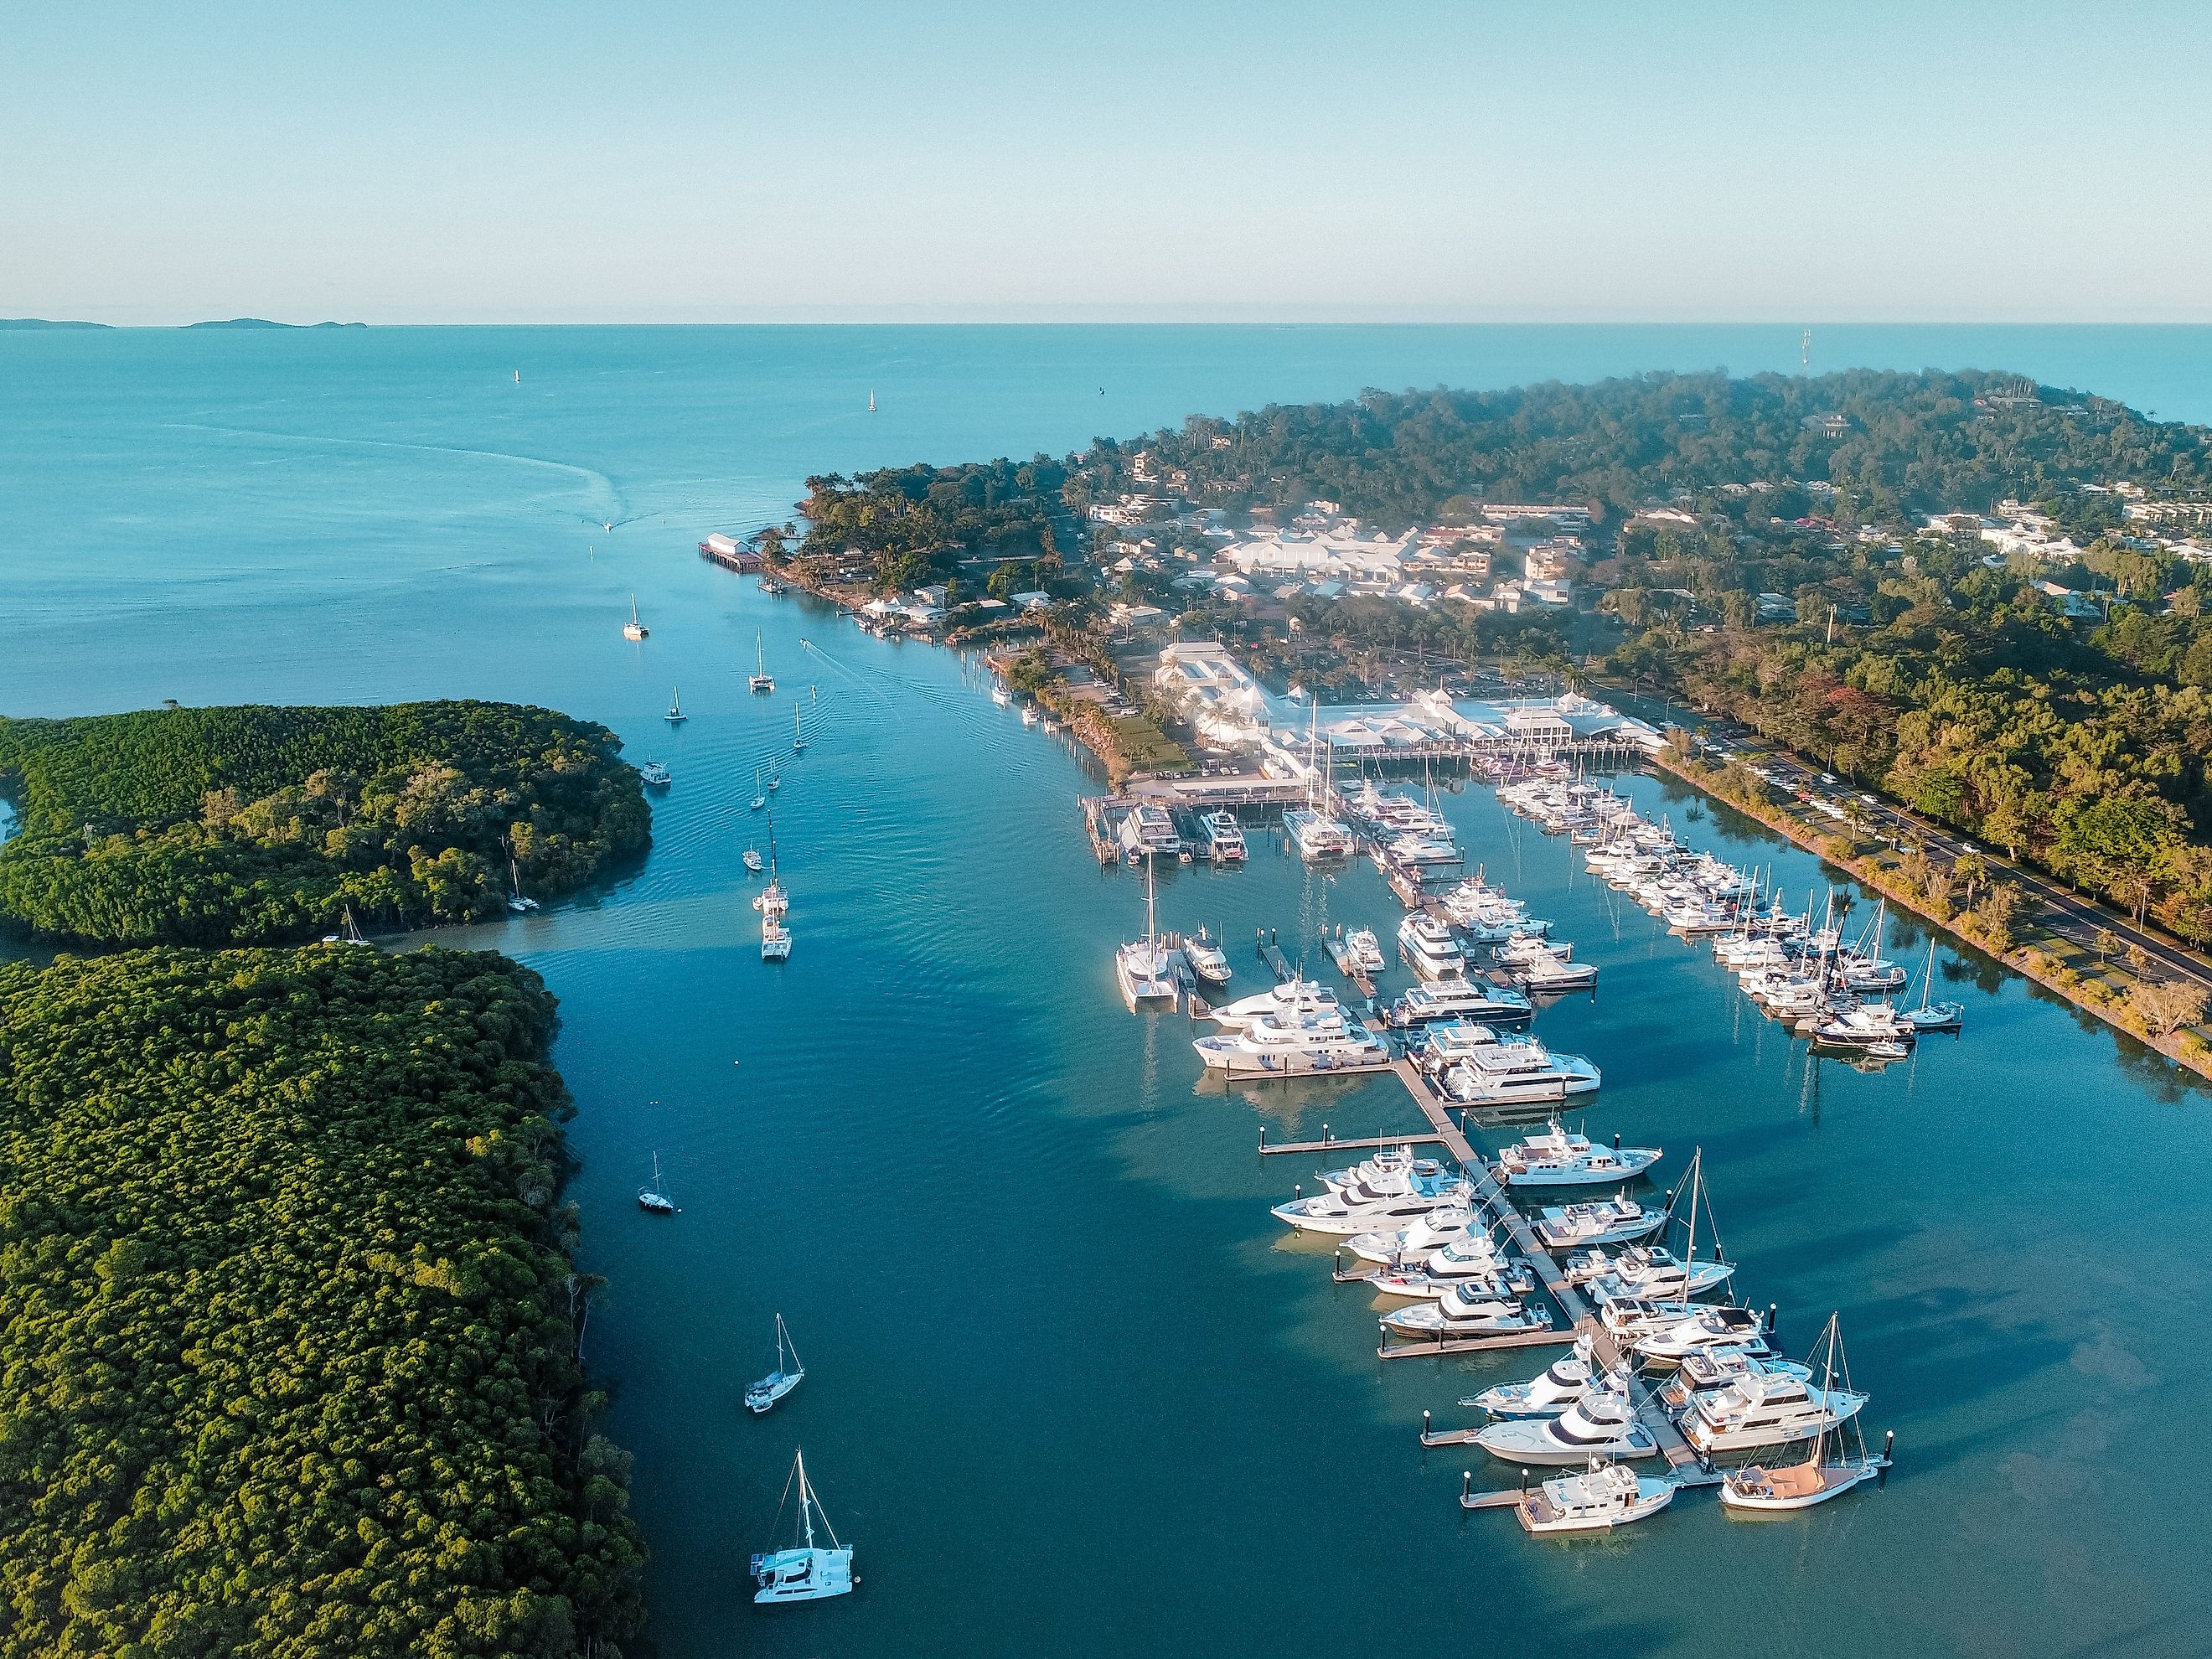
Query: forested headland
(260,824)
(289,1319)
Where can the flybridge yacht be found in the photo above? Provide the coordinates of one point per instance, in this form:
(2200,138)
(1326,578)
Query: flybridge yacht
(1602,1423)
(1429,949)
(1375,1207)
(1617,1220)
(1524,1072)
(1289,1045)
(1148,830)
(1206,958)
(1146,966)
(1546,1396)
(1363,951)
(1645,1270)
(1471,1259)
(1317,835)
(1706,1369)
(1436,1048)
(1764,1407)
(1837,1461)
(1469,1308)
(1416,1241)
(1864,1027)
(1560,1158)
(1225,837)
(1389,1164)
(1292,996)
(1709,1328)
(1461,999)
(1546,969)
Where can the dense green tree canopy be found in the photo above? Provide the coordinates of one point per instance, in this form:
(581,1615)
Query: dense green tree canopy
(288,1319)
(215,826)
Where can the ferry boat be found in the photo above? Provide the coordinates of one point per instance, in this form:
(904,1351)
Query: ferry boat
(1525,1073)
(635,630)
(1427,947)
(1603,1496)
(760,679)
(1148,829)
(1560,1158)
(1225,837)
(1449,998)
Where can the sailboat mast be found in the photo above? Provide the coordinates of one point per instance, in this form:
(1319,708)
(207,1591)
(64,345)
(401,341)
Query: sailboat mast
(1697,1186)
(805,1502)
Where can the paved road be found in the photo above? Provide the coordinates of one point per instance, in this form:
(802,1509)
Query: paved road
(2068,913)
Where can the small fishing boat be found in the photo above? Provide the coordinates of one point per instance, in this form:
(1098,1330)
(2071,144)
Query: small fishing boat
(753,860)
(1604,1497)
(760,679)
(635,630)
(654,776)
(676,716)
(1206,958)
(804,1572)
(654,1199)
(790,1371)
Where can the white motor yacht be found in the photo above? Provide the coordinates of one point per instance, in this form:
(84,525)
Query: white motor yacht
(1303,997)
(1415,1242)
(1560,1158)
(1766,1408)
(1470,1262)
(1645,1270)
(1602,1423)
(1391,1164)
(1548,971)
(1206,958)
(804,1572)
(1468,1309)
(1225,837)
(1616,1220)
(1703,1369)
(1363,951)
(1379,1208)
(654,776)
(1461,999)
(1708,1328)
(1278,1045)
(1837,1460)
(1428,948)
(1436,1048)
(1601,1497)
(1558,1387)
(1519,1073)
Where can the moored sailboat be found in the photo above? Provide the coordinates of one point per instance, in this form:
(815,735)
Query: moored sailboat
(804,1572)
(790,1371)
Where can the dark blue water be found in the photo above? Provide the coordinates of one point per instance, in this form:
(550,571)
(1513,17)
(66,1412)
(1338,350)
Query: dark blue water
(1069,1390)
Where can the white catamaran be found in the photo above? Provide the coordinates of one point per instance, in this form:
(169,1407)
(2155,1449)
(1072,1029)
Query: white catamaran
(804,1572)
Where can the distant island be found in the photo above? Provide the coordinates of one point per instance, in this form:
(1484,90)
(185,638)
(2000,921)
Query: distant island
(45,322)
(263,322)
(259,825)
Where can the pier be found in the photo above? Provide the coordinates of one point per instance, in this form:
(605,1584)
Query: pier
(1327,1143)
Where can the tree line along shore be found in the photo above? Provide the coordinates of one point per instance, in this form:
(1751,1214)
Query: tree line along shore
(288,1303)
(1989,599)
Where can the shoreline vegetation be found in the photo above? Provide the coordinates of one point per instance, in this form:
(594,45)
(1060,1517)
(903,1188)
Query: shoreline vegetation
(292,1327)
(263,825)
(1989,599)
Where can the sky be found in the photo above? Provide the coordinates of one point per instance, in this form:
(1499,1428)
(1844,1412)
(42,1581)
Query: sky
(672,162)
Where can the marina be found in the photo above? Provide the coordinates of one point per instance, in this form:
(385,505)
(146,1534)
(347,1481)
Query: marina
(2012,1356)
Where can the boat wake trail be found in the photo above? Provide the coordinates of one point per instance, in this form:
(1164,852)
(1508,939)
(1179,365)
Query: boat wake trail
(863,681)
(608,506)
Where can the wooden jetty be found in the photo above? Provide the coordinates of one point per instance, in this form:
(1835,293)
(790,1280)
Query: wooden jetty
(1499,1210)
(1278,963)
(1329,1143)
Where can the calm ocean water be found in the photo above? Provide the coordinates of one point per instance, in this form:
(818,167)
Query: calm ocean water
(1069,1390)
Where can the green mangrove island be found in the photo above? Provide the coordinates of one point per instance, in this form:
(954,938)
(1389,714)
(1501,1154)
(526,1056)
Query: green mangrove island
(261,825)
(290,1323)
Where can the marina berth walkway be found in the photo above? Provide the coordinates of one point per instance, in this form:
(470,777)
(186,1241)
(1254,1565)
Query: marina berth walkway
(1491,1200)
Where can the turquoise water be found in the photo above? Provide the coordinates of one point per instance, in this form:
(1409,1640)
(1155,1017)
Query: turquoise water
(1069,1390)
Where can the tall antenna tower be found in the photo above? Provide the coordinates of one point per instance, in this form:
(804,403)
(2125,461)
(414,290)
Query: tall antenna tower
(1805,353)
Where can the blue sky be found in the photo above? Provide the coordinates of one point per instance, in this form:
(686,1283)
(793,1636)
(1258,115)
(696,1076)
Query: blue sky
(675,162)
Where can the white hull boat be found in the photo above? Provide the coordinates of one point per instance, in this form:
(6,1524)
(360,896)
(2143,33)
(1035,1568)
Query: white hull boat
(1563,1382)
(1606,1496)
(1614,1221)
(806,1571)
(788,1374)
(1602,1423)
